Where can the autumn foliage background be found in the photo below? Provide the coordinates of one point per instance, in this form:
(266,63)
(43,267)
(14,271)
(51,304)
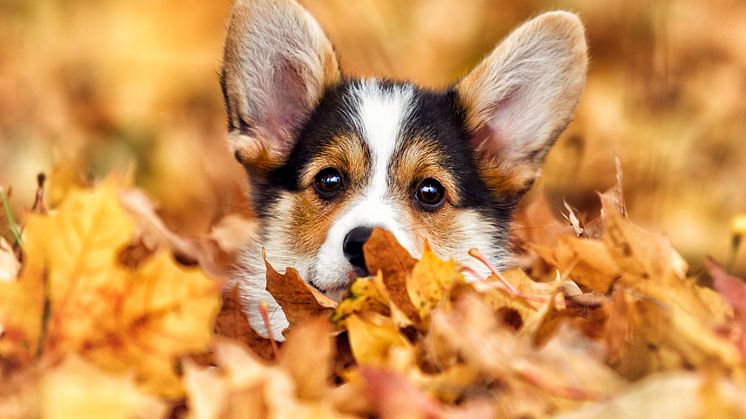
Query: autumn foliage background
(89,87)
(97,84)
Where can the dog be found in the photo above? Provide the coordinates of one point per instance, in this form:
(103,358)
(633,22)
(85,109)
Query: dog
(330,157)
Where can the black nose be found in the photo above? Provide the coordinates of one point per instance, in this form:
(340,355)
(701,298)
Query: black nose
(353,246)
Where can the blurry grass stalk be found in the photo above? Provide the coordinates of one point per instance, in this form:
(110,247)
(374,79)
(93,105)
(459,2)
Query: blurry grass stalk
(14,229)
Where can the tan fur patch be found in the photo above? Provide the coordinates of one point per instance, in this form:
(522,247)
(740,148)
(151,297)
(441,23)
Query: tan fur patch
(310,221)
(421,160)
(312,217)
(346,153)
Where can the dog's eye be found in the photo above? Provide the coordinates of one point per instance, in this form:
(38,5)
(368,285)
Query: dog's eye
(430,194)
(329,183)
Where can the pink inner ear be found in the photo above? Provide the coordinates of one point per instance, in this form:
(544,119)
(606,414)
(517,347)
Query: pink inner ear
(492,138)
(485,142)
(287,108)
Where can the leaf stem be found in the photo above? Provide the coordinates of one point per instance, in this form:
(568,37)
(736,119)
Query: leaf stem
(264,312)
(11,221)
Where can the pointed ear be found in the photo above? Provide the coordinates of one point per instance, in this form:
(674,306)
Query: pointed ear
(277,64)
(521,97)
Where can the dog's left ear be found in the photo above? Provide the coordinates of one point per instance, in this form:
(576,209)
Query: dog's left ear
(521,97)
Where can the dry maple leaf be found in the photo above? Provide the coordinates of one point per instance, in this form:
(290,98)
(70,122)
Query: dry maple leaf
(429,281)
(244,386)
(586,261)
(375,340)
(564,370)
(384,253)
(298,299)
(366,294)
(74,297)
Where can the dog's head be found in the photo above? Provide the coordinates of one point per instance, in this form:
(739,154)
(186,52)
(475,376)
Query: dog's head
(330,158)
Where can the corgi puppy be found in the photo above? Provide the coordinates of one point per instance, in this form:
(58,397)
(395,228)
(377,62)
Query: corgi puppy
(330,157)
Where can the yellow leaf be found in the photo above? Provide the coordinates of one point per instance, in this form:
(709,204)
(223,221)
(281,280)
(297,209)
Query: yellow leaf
(77,389)
(166,311)
(122,319)
(671,395)
(243,386)
(374,339)
(429,281)
(366,294)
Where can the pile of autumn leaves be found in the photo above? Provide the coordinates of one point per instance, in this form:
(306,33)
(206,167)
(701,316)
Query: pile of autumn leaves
(105,312)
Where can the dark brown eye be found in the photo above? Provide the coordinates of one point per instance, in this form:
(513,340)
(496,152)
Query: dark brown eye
(329,183)
(430,194)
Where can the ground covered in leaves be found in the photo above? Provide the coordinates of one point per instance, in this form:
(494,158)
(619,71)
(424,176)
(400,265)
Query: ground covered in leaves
(105,312)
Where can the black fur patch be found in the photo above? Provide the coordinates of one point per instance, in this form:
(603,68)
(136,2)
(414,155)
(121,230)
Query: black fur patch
(437,116)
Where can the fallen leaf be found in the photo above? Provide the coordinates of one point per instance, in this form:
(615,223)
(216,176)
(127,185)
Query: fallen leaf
(366,294)
(375,341)
(384,253)
(429,281)
(73,288)
(295,357)
(246,387)
(397,398)
(154,233)
(298,299)
(77,389)
(671,395)
(586,261)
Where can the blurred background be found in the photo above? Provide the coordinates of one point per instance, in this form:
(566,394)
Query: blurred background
(93,85)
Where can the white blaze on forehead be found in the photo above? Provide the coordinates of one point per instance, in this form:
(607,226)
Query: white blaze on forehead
(379,115)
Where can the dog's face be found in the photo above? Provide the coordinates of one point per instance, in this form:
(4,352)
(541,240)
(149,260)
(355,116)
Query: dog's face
(330,158)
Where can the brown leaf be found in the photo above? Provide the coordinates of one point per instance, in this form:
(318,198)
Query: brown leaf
(232,323)
(298,299)
(154,233)
(585,261)
(384,253)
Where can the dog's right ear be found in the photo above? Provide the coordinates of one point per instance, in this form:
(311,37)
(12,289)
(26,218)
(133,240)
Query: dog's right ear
(276,66)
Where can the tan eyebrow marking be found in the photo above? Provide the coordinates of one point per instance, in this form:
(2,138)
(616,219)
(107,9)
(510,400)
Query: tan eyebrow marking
(344,152)
(421,159)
